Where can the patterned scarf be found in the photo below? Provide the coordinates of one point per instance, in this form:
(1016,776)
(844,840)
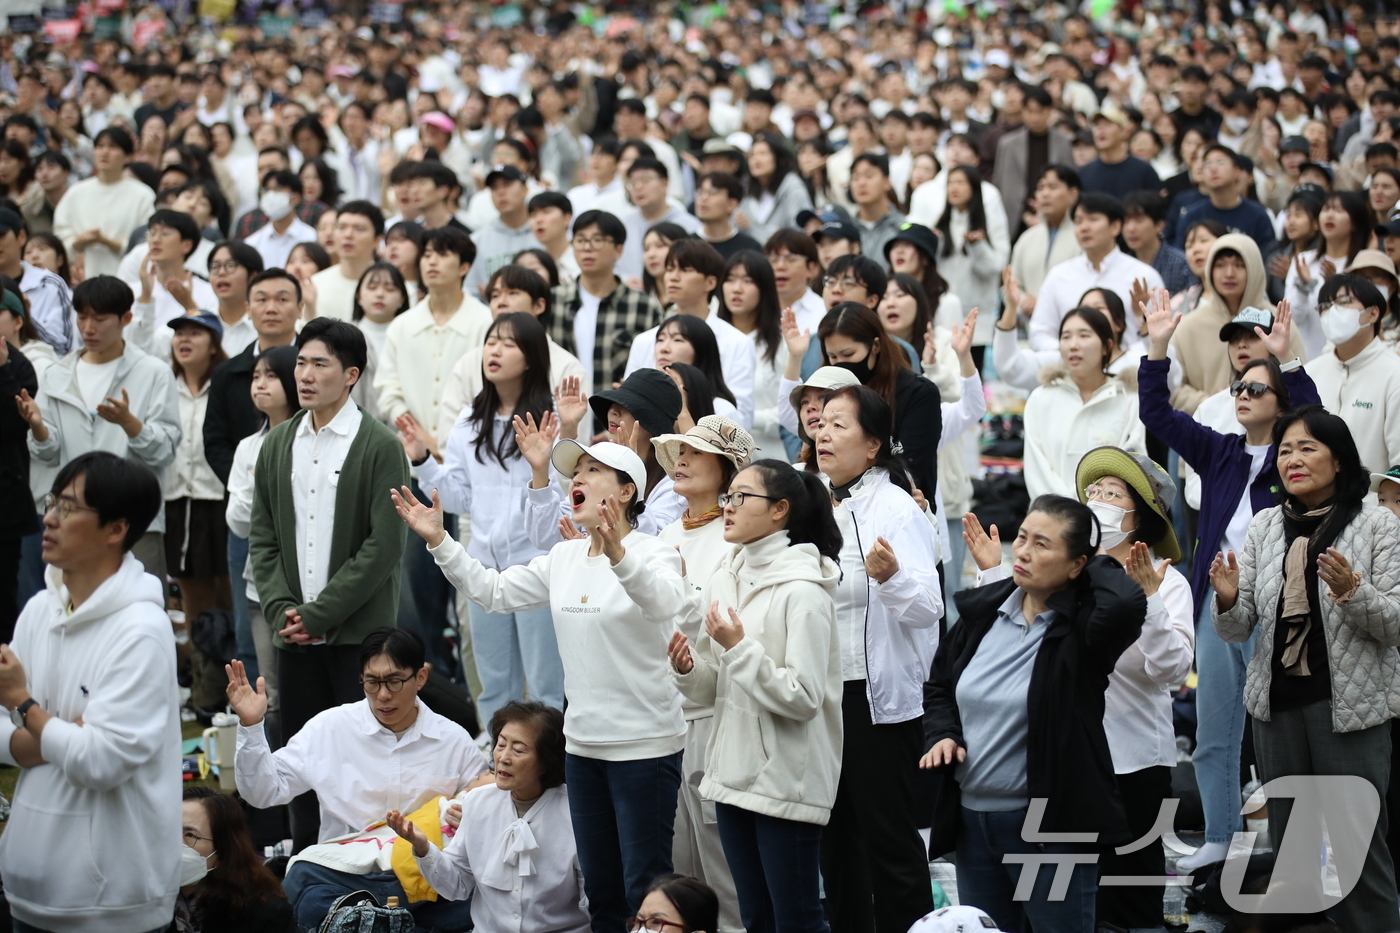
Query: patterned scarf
(700,521)
(1299,572)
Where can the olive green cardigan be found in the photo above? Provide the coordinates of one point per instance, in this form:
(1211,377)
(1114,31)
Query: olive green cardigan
(362,592)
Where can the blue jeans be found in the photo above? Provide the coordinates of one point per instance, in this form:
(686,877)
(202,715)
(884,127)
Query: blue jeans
(247,651)
(1220,669)
(985,881)
(624,815)
(31,567)
(424,595)
(312,889)
(511,651)
(776,865)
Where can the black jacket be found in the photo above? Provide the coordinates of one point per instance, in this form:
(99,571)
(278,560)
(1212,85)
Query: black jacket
(918,424)
(17,515)
(1067,759)
(231,415)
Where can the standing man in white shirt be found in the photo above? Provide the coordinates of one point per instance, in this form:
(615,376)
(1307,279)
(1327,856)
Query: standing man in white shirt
(281,196)
(1098,220)
(167,289)
(359,154)
(96,216)
(384,748)
(94,840)
(358,228)
(421,348)
(694,270)
(647,179)
(50,299)
(324,548)
(796,265)
(551,216)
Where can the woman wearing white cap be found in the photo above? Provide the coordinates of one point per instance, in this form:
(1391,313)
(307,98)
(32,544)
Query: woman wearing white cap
(614,596)
(770,664)
(702,462)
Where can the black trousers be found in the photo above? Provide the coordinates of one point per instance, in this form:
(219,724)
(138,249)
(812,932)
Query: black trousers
(311,681)
(9,587)
(873,859)
(1140,905)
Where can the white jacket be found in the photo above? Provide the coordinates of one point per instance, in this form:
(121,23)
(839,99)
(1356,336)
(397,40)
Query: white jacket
(776,744)
(1365,392)
(1061,428)
(93,842)
(901,618)
(74,429)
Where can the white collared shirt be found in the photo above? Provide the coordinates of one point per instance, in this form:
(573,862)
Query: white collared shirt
(810,309)
(419,354)
(274,247)
(358,768)
(237,335)
(1067,282)
(317,457)
(522,872)
(736,357)
(189,475)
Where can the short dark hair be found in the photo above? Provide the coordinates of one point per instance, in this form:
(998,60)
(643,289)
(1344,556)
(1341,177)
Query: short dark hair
(723,181)
(1359,288)
(366,209)
(877,160)
(1381,150)
(1145,202)
(117,136)
(632,105)
(276,272)
(646,163)
(1035,94)
(1195,73)
(1096,202)
(608,145)
(404,648)
(440,175)
(698,255)
(160,70)
(283,178)
(795,241)
(117,487)
(181,223)
(450,240)
(54,157)
(345,341)
(609,225)
(1064,173)
(863,269)
(242,253)
(548,723)
(103,294)
(696,901)
(522,279)
(547,199)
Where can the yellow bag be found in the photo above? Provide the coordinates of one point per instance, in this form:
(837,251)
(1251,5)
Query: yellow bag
(428,819)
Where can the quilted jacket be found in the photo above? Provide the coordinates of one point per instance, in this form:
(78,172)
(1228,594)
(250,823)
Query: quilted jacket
(1362,634)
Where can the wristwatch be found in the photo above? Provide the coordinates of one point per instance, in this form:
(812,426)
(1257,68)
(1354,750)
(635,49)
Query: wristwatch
(17,714)
(1291,365)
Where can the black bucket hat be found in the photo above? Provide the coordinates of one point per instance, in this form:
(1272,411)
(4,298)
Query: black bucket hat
(922,237)
(649,395)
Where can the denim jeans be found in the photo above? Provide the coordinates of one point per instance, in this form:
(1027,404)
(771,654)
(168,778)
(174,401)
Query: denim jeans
(424,595)
(31,567)
(776,865)
(513,650)
(312,889)
(624,816)
(1220,668)
(985,881)
(247,650)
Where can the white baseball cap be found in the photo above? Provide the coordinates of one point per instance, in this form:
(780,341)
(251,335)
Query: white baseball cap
(959,918)
(567,453)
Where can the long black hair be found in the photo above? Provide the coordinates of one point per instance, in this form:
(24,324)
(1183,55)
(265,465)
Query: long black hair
(376,270)
(1353,480)
(768,314)
(699,390)
(671,233)
(283,363)
(535,396)
(784,164)
(976,210)
(923,307)
(707,359)
(810,520)
(877,422)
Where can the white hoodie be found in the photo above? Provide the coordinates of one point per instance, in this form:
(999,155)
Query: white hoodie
(93,842)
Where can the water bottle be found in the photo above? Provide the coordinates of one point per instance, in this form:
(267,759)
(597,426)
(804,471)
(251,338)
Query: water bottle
(1174,913)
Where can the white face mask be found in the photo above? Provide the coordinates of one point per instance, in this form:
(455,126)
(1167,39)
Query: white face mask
(275,204)
(1384,290)
(1111,523)
(1341,324)
(999,99)
(193,866)
(1237,125)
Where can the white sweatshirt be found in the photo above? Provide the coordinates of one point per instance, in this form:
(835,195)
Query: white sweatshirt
(702,551)
(613,624)
(93,842)
(116,210)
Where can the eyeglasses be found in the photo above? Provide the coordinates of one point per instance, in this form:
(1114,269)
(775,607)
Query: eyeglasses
(653,924)
(1104,494)
(785,258)
(192,838)
(1253,389)
(636,181)
(230,267)
(1338,304)
(738,499)
(592,242)
(64,506)
(845,283)
(372,686)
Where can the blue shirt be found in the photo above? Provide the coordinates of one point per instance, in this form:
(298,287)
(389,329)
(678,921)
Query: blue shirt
(1247,217)
(991,697)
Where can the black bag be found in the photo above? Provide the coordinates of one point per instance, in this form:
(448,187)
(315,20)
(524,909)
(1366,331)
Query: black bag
(1001,501)
(359,912)
(214,635)
(452,700)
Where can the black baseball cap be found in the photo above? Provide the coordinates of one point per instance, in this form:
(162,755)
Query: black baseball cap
(509,172)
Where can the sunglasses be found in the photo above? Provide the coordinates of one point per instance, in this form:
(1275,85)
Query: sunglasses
(1252,389)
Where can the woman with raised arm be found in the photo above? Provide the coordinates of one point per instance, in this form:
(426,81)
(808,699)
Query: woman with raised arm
(1315,585)
(614,596)
(1238,479)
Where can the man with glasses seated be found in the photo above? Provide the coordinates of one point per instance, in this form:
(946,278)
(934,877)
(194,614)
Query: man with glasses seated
(386,752)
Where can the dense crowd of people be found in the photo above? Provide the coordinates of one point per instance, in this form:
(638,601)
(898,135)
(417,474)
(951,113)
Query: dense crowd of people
(626,370)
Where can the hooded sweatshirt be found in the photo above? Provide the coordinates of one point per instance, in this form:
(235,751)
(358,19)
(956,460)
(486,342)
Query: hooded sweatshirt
(776,744)
(1205,361)
(93,842)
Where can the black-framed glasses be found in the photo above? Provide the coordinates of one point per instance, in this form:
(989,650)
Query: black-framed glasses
(1252,389)
(371,685)
(64,505)
(654,925)
(738,499)
(230,266)
(592,242)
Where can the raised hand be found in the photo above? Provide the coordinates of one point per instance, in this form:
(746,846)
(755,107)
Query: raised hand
(1139,293)
(147,272)
(568,530)
(1225,580)
(1276,340)
(797,339)
(536,442)
(248,703)
(426,522)
(1012,307)
(631,436)
(985,548)
(29,410)
(726,632)
(417,443)
(1304,272)
(612,527)
(1335,570)
(572,404)
(930,355)
(1161,323)
(946,752)
(880,562)
(1139,567)
(308,298)
(679,653)
(179,289)
(409,830)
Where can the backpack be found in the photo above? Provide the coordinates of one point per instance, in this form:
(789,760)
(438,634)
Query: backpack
(359,912)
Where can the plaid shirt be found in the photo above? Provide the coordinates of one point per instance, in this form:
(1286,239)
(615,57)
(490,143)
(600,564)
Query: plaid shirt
(1171,264)
(622,315)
